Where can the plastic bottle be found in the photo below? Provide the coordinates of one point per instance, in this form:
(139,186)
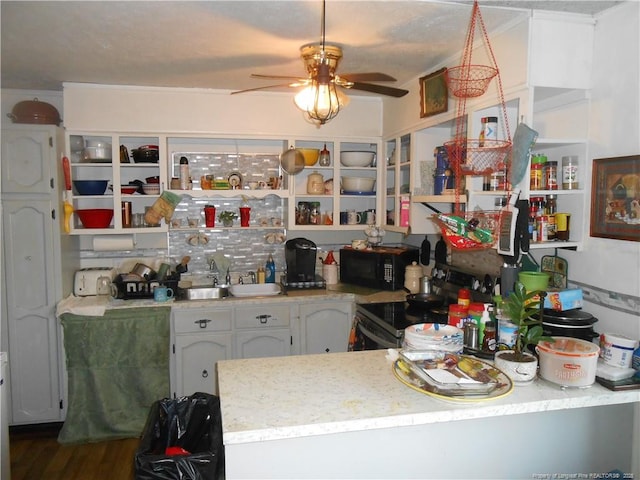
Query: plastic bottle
(486,318)
(270,270)
(464,297)
(184,173)
(261,275)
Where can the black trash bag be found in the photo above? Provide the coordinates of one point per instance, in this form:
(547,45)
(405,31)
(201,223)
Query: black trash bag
(192,423)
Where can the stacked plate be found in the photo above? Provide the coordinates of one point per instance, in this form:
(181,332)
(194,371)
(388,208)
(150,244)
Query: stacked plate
(433,336)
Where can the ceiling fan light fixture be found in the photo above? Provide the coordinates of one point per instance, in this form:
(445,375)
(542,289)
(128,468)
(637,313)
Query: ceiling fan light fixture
(321,101)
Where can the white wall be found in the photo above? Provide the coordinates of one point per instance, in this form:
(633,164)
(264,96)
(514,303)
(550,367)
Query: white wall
(614,131)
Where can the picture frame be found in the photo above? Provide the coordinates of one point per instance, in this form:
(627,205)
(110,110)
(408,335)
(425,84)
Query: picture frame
(434,93)
(615,198)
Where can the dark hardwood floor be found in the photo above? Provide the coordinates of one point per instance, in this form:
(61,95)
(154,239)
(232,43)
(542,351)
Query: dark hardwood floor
(36,454)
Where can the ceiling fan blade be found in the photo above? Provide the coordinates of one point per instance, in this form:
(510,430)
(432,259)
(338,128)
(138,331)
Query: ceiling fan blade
(299,79)
(369,87)
(266,87)
(368,77)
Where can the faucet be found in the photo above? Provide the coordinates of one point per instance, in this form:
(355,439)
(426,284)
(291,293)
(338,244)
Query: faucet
(212,265)
(251,275)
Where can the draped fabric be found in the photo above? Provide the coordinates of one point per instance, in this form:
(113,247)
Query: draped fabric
(117,365)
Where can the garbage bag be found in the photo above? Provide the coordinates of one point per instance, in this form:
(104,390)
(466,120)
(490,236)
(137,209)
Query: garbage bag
(182,440)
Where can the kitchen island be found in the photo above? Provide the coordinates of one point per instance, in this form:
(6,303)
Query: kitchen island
(345,415)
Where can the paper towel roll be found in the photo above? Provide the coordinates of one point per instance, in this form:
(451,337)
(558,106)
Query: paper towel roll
(109,243)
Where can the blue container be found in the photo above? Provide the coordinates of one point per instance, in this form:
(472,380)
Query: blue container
(442,181)
(442,159)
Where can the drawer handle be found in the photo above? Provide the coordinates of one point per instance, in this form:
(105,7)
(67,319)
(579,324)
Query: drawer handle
(202,322)
(205,374)
(263,318)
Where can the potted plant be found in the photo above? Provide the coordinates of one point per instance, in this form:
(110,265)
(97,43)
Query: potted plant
(524,310)
(227,218)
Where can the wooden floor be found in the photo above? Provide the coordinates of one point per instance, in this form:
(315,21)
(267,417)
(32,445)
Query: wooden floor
(36,454)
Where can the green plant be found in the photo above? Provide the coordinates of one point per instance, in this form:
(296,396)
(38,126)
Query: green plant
(227,216)
(524,310)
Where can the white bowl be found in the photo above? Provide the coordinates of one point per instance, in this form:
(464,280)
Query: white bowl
(358,184)
(357,159)
(151,189)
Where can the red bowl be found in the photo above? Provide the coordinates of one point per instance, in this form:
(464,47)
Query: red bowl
(95,217)
(128,189)
(153,179)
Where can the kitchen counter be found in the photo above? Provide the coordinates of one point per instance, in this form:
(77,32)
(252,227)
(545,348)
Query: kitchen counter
(346,415)
(341,292)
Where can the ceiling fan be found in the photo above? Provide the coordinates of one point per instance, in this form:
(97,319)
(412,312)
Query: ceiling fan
(322,96)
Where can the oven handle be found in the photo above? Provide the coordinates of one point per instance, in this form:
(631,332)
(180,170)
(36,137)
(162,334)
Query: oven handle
(380,341)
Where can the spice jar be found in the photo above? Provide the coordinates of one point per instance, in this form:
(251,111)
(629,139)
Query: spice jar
(551,176)
(536,175)
(464,297)
(489,340)
(570,172)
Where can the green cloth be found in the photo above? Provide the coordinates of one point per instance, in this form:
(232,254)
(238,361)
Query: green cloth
(117,365)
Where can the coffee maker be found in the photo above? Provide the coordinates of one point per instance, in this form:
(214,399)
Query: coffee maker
(300,255)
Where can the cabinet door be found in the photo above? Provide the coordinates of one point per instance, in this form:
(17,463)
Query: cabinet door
(31,295)
(325,327)
(267,342)
(28,160)
(196,357)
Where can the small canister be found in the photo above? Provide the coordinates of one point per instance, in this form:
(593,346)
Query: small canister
(536,174)
(570,172)
(457,315)
(551,176)
(471,335)
(126,214)
(412,275)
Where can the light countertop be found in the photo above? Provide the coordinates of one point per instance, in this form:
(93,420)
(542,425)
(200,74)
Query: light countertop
(309,395)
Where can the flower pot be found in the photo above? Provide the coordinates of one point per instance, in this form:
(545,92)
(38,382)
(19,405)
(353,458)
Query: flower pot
(520,372)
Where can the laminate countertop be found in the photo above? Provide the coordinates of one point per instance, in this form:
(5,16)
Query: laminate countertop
(340,392)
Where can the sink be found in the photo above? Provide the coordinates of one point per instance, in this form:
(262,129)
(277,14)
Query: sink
(255,290)
(205,293)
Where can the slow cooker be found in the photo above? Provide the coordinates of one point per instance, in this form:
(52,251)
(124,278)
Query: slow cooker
(569,323)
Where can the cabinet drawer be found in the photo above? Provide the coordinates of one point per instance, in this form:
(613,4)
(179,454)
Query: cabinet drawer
(271,316)
(202,320)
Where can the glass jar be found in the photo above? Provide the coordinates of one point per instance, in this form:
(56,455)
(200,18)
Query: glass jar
(536,174)
(570,172)
(314,215)
(325,157)
(551,176)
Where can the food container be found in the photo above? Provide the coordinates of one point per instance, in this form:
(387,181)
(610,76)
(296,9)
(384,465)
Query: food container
(310,156)
(95,217)
(569,362)
(97,154)
(358,184)
(617,350)
(90,187)
(357,159)
(151,189)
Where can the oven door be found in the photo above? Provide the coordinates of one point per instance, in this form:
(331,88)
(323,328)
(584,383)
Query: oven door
(366,335)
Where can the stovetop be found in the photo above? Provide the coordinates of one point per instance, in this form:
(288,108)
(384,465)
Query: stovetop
(396,316)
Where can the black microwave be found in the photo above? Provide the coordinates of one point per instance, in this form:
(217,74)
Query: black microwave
(378,267)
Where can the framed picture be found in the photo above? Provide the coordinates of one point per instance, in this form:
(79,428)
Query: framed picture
(434,95)
(615,198)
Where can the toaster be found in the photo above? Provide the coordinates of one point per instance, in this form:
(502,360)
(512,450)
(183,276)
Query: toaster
(86,280)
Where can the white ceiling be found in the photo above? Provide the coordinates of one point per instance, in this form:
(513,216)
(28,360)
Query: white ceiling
(218,44)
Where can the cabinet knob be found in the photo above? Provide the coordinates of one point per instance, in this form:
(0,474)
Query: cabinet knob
(202,322)
(263,318)
(205,374)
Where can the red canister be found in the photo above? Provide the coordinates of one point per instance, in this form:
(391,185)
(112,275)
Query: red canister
(457,315)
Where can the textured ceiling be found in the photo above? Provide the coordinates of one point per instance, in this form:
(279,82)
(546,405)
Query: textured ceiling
(218,44)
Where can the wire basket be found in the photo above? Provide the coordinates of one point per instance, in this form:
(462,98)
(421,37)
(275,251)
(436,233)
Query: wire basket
(476,230)
(475,157)
(468,81)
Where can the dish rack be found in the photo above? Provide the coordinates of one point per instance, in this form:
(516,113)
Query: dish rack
(142,289)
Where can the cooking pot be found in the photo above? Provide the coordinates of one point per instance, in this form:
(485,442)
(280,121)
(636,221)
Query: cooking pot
(569,323)
(424,300)
(146,154)
(143,271)
(35,111)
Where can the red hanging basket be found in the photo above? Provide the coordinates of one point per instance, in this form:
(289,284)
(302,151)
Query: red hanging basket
(468,81)
(478,158)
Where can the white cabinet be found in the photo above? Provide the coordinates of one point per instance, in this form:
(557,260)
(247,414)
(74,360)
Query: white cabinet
(116,171)
(263,331)
(325,326)
(32,276)
(200,337)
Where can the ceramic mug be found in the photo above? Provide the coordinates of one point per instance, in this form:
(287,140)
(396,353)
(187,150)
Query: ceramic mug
(353,217)
(162,294)
(370,217)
